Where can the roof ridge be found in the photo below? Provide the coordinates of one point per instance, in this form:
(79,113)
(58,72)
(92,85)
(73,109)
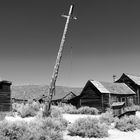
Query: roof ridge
(132,74)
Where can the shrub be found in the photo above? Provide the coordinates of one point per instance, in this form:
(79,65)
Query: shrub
(56,111)
(133,107)
(70,109)
(16,106)
(2,115)
(26,110)
(137,123)
(12,130)
(88,110)
(67,108)
(127,123)
(88,127)
(35,106)
(39,129)
(50,127)
(107,117)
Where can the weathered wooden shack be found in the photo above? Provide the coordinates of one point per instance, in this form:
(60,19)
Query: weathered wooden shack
(103,95)
(60,98)
(22,94)
(133,82)
(5,95)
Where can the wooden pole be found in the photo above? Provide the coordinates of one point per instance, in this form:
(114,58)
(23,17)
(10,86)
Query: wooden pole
(51,90)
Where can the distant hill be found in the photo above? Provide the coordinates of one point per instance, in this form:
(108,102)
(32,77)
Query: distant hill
(27,92)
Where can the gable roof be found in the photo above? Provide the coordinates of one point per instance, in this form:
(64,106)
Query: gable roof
(100,86)
(134,78)
(112,88)
(69,96)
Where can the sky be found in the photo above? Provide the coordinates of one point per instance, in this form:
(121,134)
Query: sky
(104,40)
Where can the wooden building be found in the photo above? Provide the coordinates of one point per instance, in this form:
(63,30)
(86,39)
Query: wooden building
(103,95)
(133,82)
(63,99)
(5,96)
(22,94)
(59,98)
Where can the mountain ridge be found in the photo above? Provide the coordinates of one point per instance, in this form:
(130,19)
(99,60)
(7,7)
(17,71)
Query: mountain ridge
(26,92)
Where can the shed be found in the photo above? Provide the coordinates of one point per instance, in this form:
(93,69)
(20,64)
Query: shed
(60,98)
(103,95)
(133,81)
(118,108)
(5,95)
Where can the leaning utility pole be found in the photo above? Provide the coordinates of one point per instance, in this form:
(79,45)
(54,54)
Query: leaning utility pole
(51,90)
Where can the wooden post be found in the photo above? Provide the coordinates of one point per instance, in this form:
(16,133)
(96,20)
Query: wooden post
(109,101)
(51,90)
(138,96)
(102,102)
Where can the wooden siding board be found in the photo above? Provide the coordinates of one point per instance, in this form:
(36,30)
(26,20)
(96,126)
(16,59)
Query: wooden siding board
(5,97)
(91,97)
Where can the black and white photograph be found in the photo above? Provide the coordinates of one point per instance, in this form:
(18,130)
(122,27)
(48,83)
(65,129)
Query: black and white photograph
(69,70)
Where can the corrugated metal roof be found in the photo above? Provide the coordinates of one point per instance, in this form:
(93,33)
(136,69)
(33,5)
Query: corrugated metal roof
(134,78)
(113,88)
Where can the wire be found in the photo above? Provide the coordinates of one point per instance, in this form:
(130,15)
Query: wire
(71,54)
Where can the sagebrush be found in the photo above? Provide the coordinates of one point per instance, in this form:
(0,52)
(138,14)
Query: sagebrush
(107,117)
(127,123)
(26,110)
(70,109)
(39,129)
(88,110)
(88,127)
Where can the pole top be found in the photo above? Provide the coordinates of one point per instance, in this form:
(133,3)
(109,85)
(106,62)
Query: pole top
(71,12)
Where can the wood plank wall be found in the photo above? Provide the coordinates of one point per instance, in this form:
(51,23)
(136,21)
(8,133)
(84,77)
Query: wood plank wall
(5,98)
